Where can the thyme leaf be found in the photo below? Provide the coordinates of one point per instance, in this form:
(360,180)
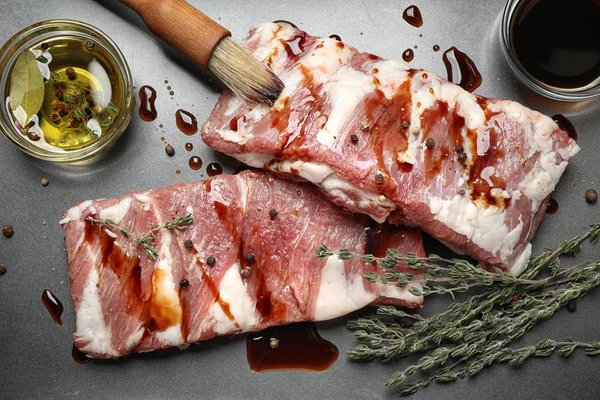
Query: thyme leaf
(476,332)
(148,238)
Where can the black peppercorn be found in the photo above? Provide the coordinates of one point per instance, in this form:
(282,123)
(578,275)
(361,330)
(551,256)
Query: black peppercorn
(430,142)
(45,46)
(591,196)
(459,149)
(170,150)
(59,94)
(188,244)
(70,72)
(211,261)
(354,138)
(572,306)
(184,283)
(379,178)
(7,230)
(273,214)
(33,136)
(2,269)
(250,258)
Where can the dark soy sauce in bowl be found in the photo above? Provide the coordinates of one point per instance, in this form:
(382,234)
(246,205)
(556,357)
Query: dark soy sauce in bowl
(558,41)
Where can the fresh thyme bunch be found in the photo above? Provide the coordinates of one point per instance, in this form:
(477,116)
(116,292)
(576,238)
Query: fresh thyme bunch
(476,332)
(145,240)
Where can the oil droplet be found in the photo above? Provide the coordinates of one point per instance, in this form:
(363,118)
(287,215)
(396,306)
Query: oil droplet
(436,47)
(186,122)
(189,146)
(147,98)
(162,139)
(166,81)
(168,87)
(408,55)
(178,172)
(412,15)
(213,169)
(172,93)
(461,69)
(160,126)
(79,356)
(53,305)
(195,163)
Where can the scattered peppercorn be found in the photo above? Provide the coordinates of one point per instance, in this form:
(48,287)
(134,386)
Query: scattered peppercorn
(354,138)
(70,72)
(45,46)
(274,343)
(572,306)
(59,94)
(462,192)
(87,86)
(211,261)
(591,196)
(45,182)
(459,149)
(96,109)
(273,214)
(430,142)
(184,283)
(7,230)
(462,157)
(33,136)
(89,45)
(365,125)
(188,244)
(89,99)
(246,271)
(170,150)
(379,178)
(405,124)
(2,269)
(250,258)
(54,117)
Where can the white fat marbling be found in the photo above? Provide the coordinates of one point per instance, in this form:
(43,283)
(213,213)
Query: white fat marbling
(337,294)
(90,320)
(116,212)
(394,292)
(232,290)
(74,213)
(254,159)
(346,88)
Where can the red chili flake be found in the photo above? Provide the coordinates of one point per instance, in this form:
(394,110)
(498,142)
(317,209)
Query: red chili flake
(515,297)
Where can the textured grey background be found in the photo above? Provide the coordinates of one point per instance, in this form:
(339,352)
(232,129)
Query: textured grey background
(35,360)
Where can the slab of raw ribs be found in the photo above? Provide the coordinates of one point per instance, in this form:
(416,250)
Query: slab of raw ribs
(397,143)
(247,262)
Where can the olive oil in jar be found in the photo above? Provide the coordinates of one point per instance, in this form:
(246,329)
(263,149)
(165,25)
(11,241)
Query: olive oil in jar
(81,94)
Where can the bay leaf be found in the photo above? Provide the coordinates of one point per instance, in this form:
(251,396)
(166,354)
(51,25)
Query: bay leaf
(26,86)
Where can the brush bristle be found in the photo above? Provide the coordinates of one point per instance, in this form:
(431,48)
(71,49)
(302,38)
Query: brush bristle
(237,68)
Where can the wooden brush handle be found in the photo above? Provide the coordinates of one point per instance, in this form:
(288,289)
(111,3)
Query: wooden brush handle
(181,26)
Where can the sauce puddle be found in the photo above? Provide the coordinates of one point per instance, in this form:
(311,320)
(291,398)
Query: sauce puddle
(186,122)
(195,163)
(79,357)
(552,207)
(294,346)
(408,55)
(565,125)
(53,305)
(461,69)
(412,15)
(147,108)
(213,169)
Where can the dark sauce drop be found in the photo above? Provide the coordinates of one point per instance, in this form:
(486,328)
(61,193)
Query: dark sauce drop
(557,41)
(436,48)
(295,346)
(213,169)
(147,98)
(186,122)
(189,146)
(552,207)
(565,125)
(461,69)
(336,37)
(283,22)
(412,15)
(79,356)
(408,55)
(195,163)
(295,46)
(53,305)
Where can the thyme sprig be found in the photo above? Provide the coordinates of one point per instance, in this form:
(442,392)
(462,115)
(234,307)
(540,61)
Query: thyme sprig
(478,331)
(149,237)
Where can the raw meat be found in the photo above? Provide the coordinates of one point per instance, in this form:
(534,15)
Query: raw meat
(127,302)
(398,143)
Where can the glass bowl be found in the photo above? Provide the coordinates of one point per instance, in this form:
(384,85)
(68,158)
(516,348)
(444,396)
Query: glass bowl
(121,83)
(511,11)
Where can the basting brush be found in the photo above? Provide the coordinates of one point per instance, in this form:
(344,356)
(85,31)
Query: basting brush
(210,46)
